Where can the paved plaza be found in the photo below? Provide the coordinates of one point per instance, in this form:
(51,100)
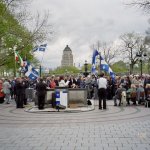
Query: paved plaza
(117,128)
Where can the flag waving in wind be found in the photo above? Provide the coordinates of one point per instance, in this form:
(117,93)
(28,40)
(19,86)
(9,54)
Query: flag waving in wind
(41,48)
(105,67)
(30,71)
(95,53)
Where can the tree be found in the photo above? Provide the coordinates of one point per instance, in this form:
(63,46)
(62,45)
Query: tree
(119,67)
(147,42)
(108,50)
(66,70)
(133,44)
(12,34)
(145,6)
(15,30)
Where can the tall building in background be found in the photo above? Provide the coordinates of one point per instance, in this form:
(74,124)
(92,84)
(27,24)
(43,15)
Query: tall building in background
(67,57)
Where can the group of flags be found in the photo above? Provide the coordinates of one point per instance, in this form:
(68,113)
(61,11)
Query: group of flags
(27,68)
(103,65)
(33,74)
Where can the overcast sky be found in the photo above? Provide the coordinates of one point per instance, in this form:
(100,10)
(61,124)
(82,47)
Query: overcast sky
(81,23)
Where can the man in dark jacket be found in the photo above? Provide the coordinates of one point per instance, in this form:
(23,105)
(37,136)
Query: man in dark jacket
(25,86)
(41,91)
(18,93)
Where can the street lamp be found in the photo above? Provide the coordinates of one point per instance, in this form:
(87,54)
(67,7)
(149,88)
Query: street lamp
(86,68)
(141,56)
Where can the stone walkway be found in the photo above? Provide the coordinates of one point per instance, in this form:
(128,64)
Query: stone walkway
(117,128)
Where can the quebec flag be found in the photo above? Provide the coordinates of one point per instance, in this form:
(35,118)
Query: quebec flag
(105,67)
(95,53)
(31,73)
(41,48)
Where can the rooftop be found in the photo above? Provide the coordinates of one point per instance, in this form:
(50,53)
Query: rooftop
(67,48)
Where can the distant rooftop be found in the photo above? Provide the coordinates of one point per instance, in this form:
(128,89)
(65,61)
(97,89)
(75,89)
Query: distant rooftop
(67,48)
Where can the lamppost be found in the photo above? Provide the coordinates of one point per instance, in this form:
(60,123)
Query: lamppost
(141,56)
(86,68)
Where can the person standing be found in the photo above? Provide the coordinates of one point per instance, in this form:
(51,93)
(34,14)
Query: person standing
(102,86)
(6,89)
(41,92)
(25,84)
(18,93)
(2,95)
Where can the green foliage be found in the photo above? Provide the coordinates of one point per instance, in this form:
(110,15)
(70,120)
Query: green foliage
(12,33)
(65,70)
(119,66)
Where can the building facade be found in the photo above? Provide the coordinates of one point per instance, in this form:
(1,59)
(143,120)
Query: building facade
(67,57)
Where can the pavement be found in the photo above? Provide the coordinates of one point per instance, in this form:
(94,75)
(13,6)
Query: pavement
(116,128)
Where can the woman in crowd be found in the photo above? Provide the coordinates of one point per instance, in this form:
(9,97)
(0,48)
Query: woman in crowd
(140,93)
(52,82)
(72,82)
(2,95)
(62,82)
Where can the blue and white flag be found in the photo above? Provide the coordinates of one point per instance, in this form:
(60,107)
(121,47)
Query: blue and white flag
(95,53)
(30,71)
(105,67)
(41,48)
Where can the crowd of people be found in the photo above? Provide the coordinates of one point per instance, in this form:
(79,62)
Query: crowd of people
(98,87)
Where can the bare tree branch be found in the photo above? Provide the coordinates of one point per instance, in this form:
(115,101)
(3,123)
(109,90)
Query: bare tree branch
(142,4)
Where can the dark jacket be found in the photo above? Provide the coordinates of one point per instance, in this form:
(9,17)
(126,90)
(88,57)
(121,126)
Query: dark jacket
(18,88)
(41,88)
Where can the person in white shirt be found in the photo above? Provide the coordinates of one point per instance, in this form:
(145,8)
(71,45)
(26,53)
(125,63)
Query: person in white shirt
(62,82)
(102,85)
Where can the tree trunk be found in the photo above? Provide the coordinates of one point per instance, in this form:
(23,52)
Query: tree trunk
(131,68)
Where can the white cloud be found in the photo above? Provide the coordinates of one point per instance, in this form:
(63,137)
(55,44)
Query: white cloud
(81,23)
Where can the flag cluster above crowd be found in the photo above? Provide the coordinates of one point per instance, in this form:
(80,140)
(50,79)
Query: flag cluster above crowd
(26,66)
(33,74)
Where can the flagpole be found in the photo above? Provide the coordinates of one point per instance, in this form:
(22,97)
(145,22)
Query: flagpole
(41,65)
(40,70)
(98,45)
(14,48)
(40,48)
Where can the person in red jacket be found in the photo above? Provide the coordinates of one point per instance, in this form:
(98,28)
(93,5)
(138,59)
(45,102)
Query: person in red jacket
(2,95)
